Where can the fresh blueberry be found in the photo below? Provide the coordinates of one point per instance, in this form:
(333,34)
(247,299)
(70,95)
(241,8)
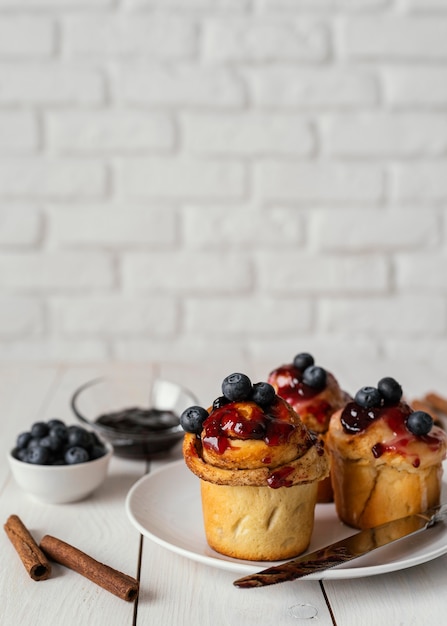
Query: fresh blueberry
(368,397)
(220,401)
(237,387)
(192,419)
(58,430)
(419,423)
(315,377)
(23,439)
(39,429)
(55,422)
(37,455)
(390,390)
(303,360)
(78,436)
(20,454)
(34,441)
(52,442)
(97,451)
(263,394)
(76,454)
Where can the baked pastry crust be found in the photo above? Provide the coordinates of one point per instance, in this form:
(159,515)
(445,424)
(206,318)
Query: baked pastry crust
(379,474)
(259,471)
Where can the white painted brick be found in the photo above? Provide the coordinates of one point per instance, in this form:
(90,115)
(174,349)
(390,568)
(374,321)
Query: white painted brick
(247,133)
(382,315)
(50,84)
(18,132)
(241,226)
(288,86)
(317,181)
(56,4)
(425,5)
(122,35)
(190,5)
(19,225)
(120,225)
(106,130)
(26,36)
(376,135)
(195,272)
(292,272)
(181,85)
(318,5)
(67,271)
(372,230)
(181,178)
(48,177)
(423,180)
(247,316)
(264,39)
(422,271)
(53,349)
(115,315)
(415,86)
(389,38)
(20,317)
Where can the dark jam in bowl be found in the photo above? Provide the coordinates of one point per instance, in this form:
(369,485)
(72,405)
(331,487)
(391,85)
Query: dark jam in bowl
(138,421)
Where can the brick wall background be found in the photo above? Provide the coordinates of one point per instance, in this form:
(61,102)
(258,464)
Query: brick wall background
(228,180)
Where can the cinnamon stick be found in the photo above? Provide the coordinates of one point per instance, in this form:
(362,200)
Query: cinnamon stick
(32,557)
(112,580)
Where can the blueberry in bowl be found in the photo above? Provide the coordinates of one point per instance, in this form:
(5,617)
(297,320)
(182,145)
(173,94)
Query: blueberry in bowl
(56,463)
(138,419)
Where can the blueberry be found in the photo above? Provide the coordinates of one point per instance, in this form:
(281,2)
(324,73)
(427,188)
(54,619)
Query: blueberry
(37,455)
(78,436)
(303,360)
(76,454)
(220,401)
(97,451)
(52,442)
(192,419)
(20,454)
(55,422)
(368,397)
(23,439)
(315,377)
(263,394)
(34,441)
(237,387)
(58,430)
(419,423)
(390,390)
(39,429)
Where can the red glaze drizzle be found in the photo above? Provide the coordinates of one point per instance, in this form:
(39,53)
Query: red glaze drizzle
(355,418)
(279,478)
(288,380)
(226,424)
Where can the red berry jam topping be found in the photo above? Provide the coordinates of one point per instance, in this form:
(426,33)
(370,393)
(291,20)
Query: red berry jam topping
(280,478)
(290,385)
(355,418)
(230,422)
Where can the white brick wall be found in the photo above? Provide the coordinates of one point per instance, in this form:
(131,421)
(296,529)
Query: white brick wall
(224,180)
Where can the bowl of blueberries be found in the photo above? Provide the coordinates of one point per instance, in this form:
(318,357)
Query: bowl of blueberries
(56,463)
(138,418)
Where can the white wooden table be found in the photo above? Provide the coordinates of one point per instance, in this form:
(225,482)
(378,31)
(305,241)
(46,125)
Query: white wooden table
(174,590)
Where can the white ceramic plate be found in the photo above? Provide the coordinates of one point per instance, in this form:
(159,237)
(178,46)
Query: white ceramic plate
(165,507)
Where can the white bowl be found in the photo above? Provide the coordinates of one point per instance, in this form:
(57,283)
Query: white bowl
(60,484)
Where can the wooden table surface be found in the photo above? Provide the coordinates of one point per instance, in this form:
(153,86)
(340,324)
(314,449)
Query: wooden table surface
(174,589)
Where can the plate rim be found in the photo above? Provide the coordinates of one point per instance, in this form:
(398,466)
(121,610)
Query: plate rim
(246,567)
